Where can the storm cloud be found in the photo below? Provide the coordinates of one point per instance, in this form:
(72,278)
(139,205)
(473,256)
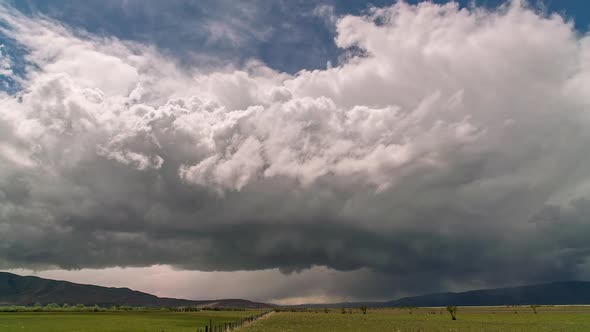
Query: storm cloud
(448,146)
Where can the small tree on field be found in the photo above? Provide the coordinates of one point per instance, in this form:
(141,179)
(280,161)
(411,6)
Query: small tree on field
(453,311)
(343,310)
(364,309)
(534,307)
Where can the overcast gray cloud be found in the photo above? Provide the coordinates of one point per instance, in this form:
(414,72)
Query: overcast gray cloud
(451,153)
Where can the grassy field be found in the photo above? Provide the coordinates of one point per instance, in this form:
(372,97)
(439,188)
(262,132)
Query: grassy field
(140,321)
(490,319)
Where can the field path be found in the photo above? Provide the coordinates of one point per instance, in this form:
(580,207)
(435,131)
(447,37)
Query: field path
(268,314)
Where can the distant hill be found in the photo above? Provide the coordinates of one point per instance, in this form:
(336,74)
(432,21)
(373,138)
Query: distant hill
(28,290)
(567,292)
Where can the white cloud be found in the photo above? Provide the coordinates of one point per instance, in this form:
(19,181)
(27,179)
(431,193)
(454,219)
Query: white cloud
(5,63)
(326,12)
(456,124)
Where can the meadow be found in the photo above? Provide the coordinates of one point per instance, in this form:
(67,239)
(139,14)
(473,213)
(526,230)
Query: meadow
(482,319)
(116,321)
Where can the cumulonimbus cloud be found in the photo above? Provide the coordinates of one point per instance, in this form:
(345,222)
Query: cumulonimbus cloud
(443,146)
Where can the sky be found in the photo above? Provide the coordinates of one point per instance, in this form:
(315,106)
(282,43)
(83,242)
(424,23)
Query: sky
(295,151)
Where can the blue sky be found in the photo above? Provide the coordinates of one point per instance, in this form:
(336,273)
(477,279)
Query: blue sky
(286,35)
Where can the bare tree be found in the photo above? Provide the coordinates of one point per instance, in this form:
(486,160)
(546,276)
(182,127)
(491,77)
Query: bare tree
(534,307)
(453,311)
(363,309)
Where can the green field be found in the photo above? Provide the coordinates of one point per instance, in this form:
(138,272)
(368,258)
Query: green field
(468,319)
(140,321)
(481,319)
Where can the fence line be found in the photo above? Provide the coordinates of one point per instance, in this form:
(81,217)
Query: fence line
(229,326)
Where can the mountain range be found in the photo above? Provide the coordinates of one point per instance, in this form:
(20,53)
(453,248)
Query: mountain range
(555,293)
(28,290)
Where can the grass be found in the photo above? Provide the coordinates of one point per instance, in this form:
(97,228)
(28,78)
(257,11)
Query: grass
(490,319)
(144,321)
(476,319)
